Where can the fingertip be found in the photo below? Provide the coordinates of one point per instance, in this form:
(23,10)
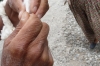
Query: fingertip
(34,5)
(43,8)
(23,16)
(20,14)
(46,25)
(51,61)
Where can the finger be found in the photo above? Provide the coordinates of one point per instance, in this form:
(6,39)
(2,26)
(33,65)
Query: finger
(43,8)
(37,46)
(16,5)
(21,14)
(20,6)
(17,29)
(34,5)
(26,34)
(43,60)
(51,61)
(42,37)
(45,56)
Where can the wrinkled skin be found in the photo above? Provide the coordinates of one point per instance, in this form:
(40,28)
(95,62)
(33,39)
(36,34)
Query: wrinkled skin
(27,45)
(38,7)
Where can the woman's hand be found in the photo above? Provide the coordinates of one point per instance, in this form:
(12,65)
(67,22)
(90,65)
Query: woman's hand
(16,5)
(38,7)
(27,45)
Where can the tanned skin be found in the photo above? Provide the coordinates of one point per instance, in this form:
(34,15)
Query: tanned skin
(28,44)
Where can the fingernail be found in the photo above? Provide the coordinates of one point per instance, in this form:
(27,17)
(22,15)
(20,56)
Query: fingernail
(35,9)
(20,14)
(23,18)
(40,16)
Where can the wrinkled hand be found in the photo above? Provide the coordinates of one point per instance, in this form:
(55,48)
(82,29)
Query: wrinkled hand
(38,7)
(27,45)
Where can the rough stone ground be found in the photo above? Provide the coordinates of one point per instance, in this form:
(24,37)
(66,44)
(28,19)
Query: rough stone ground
(67,42)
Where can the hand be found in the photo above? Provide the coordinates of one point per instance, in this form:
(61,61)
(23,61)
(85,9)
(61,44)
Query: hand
(27,45)
(17,5)
(38,7)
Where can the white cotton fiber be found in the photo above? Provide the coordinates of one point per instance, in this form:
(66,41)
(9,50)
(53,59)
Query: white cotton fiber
(8,26)
(26,3)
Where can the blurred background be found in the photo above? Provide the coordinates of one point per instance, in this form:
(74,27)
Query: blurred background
(67,42)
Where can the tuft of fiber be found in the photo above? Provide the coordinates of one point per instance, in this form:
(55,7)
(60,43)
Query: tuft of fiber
(8,27)
(26,3)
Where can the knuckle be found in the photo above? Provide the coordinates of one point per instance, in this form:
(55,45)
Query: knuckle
(35,53)
(16,50)
(46,24)
(44,59)
(51,62)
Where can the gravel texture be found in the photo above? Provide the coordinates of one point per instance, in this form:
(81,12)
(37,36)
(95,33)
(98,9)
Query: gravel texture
(67,42)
